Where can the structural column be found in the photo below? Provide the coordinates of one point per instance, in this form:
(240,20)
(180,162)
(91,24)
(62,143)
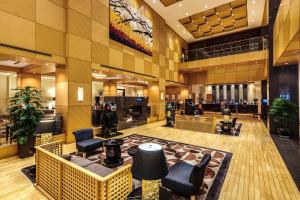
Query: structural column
(156,94)
(26,79)
(162,99)
(153,95)
(74,81)
(109,88)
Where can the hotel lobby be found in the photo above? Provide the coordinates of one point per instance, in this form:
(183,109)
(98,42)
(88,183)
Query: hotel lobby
(149,99)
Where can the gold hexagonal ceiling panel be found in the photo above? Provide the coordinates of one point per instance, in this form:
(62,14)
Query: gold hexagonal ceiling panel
(169,2)
(226,17)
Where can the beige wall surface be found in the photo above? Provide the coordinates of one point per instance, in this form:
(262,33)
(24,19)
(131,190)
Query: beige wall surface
(48,88)
(8,81)
(76,34)
(35,25)
(286,33)
(4,94)
(44,24)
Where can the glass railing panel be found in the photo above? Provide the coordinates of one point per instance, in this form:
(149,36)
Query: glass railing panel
(231,48)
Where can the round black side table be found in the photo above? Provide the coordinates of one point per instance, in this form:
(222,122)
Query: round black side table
(113,153)
(132,150)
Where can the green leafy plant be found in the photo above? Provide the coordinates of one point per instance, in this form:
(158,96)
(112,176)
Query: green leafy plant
(283,112)
(25,113)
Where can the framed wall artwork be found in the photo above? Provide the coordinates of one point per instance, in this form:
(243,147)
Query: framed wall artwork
(129,26)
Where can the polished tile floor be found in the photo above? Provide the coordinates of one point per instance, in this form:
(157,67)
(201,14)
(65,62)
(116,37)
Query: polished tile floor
(256,171)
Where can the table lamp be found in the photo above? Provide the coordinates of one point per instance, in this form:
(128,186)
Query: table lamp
(149,165)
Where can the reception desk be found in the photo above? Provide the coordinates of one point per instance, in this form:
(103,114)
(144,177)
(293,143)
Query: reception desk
(193,123)
(251,109)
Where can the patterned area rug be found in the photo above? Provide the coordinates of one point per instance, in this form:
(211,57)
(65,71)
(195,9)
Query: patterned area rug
(215,172)
(235,132)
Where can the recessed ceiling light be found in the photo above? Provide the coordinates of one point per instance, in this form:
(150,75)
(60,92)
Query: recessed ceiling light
(205,6)
(253,1)
(286,63)
(180,4)
(154,1)
(177,25)
(184,32)
(253,12)
(187,14)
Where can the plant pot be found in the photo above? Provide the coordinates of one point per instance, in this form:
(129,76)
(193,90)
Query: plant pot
(26,150)
(283,132)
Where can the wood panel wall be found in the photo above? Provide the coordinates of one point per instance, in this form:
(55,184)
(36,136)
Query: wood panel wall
(76,34)
(38,25)
(238,68)
(286,33)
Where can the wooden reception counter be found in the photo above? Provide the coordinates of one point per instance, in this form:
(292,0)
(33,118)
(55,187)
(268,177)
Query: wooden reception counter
(250,108)
(193,123)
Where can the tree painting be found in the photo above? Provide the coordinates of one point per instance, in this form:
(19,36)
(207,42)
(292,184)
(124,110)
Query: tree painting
(129,26)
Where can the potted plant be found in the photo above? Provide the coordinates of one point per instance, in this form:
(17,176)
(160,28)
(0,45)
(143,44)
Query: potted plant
(25,114)
(283,112)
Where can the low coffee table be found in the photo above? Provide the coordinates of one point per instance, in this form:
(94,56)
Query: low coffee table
(113,153)
(226,126)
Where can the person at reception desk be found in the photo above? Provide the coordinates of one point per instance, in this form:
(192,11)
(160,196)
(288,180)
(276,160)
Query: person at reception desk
(223,105)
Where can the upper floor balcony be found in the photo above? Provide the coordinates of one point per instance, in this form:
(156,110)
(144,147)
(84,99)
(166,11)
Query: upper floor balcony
(231,48)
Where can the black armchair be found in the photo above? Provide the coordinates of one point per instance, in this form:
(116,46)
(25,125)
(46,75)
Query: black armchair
(234,122)
(226,111)
(85,142)
(186,179)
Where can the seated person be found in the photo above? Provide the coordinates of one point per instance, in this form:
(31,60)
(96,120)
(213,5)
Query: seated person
(198,111)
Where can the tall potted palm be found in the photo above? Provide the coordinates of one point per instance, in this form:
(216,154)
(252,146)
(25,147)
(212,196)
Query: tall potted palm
(283,112)
(25,114)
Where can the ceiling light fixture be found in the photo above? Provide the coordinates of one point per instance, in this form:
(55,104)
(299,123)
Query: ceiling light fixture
(253,2)
(98,75)
(187,14)
(205,6)
(180,4)
(253,12)
(154,1)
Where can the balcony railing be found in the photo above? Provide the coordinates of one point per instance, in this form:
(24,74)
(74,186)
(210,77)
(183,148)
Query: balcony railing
(231,48)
